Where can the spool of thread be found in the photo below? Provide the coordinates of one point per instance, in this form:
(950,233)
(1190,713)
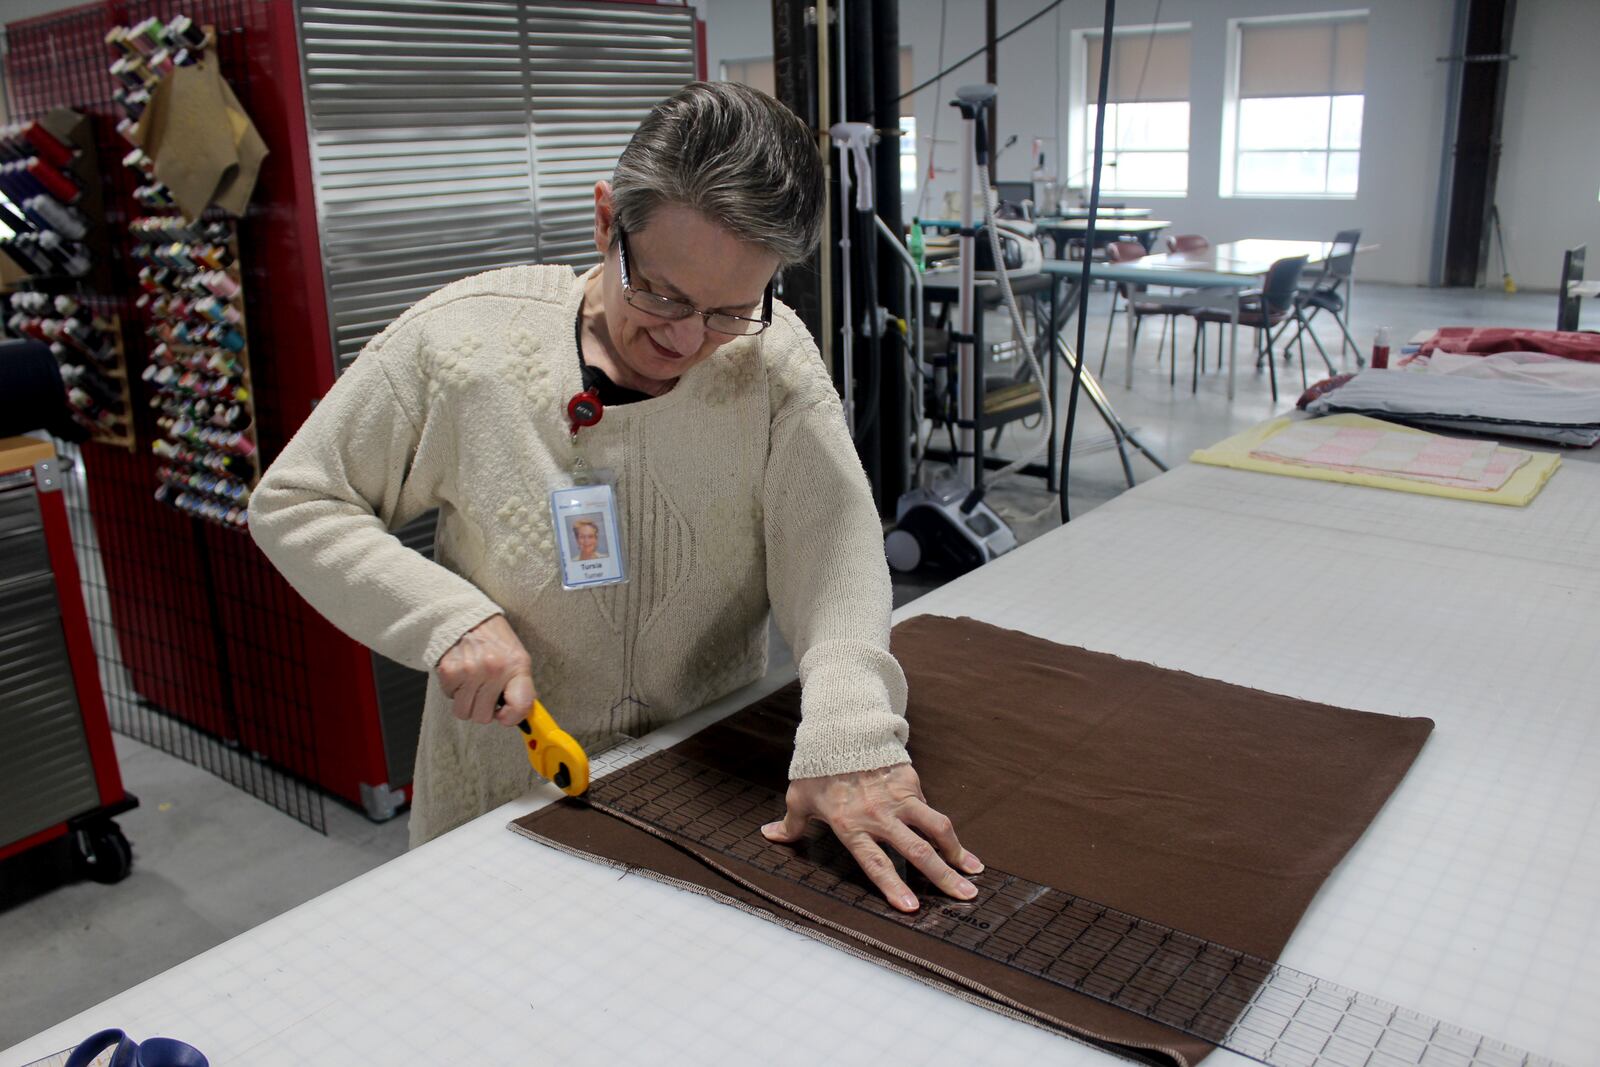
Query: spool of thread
(54,182)
(48,145)
(188,32)
(147,36)
(130,71)
(117,40)
(222,284)
(140,161)
(63,219)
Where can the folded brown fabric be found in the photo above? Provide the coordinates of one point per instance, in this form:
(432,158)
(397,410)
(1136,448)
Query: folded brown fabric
(205,148)
(1207,807)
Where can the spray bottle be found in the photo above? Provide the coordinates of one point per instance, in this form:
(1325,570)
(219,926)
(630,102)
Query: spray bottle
(1380,349)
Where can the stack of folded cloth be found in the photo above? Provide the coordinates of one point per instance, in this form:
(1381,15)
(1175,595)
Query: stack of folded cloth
(1533,395)
(1394,453)
(1358,450)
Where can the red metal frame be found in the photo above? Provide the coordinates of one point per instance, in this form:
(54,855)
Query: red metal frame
(16,848)
(85,670)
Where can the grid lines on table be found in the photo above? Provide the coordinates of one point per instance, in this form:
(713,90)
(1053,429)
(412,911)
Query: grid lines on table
(1470,897)
(1231,999)
(482,948)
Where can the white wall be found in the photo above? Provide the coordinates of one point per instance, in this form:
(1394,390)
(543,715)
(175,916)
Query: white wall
(1400,141)
(12,10)
(1549,191)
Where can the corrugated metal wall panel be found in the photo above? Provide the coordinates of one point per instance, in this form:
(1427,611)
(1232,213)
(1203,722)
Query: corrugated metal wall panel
(46,775)
(452,138)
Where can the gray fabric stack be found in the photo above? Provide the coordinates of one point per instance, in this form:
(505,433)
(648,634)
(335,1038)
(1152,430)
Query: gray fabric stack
(1556,414)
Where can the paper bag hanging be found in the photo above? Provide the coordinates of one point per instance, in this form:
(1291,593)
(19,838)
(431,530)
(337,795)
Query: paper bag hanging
(205,148)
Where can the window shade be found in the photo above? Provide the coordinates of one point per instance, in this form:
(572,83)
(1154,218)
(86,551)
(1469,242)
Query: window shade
(1161,59)
(453,138)
(1302,58)
(756,73)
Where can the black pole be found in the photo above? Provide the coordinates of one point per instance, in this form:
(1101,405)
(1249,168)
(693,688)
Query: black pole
(794,61)
(991,23)
(894,419)
(1477,144)
(1088,249)
(860,63)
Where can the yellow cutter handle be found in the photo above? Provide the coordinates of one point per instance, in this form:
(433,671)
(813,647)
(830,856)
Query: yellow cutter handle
(554,753)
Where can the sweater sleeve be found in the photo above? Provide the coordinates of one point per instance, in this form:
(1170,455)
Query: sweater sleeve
(323,511)
(828,583)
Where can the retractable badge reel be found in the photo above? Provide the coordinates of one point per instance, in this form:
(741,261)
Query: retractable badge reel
(584,514)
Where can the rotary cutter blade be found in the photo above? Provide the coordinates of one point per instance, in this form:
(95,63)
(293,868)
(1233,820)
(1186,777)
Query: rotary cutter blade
(554,753)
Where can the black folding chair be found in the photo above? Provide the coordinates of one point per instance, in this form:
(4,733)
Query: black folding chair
(1329,292)
(1263,310)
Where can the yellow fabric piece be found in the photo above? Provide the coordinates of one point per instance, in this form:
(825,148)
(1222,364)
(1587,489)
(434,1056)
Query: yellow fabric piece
(1234,452)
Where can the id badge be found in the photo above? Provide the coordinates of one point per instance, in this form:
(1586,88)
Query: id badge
(585,521)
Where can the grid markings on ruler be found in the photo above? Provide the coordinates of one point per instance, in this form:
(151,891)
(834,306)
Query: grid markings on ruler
(1248,1005)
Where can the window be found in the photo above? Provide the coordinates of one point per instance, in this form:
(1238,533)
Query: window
(1147,113)
(1295,119)
(910,176)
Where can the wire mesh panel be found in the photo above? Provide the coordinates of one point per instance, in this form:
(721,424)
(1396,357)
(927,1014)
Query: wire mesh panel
(168,682)
(205,653)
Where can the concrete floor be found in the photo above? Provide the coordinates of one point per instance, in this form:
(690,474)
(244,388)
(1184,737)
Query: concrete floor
(211,862)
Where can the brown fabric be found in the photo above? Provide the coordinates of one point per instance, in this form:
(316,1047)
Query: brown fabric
(1204,806)
(205,147)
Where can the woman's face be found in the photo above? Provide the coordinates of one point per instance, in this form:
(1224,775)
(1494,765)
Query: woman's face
(683,255)
(588,540)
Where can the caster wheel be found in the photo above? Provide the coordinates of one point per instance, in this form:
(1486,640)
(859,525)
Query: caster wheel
(104,854)
(904,550)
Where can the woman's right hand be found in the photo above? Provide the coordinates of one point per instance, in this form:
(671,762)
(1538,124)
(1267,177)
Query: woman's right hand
(486,664)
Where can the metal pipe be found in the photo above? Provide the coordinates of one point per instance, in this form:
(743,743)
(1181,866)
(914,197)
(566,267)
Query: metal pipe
(914,308)
(825,146)
(913,284)
(847,327)
(967,348)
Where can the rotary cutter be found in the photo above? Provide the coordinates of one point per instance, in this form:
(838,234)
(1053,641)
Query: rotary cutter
(554,753)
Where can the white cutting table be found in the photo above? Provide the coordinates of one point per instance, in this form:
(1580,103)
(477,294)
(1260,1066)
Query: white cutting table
(1473,897)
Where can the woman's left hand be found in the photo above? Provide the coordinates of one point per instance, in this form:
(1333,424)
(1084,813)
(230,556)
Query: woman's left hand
(870,809)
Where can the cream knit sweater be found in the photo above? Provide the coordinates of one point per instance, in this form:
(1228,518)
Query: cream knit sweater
(738,491)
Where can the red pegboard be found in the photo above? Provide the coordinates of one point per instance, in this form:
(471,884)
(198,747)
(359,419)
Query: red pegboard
(207,629)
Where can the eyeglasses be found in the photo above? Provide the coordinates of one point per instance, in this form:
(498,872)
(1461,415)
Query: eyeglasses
(665,307)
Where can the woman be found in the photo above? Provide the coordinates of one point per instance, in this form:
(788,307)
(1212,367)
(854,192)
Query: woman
(587,535)
(721,446)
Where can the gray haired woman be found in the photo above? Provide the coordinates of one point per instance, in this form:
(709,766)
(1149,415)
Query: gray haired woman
(720,464)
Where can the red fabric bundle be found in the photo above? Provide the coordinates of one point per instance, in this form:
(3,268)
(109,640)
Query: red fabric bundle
(1487,340)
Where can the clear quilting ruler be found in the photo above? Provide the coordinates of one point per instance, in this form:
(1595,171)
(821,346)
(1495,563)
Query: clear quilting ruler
(1273,1014)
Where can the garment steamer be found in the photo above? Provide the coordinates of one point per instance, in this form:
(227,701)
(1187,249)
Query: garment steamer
(947,525)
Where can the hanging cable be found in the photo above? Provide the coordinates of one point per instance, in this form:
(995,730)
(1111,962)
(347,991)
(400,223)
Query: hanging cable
(958,64)
(1088,247)
(1016,322)
(933,138)
(1149,47)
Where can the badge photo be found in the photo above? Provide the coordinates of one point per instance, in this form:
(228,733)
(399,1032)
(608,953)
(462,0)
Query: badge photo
(585,521)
